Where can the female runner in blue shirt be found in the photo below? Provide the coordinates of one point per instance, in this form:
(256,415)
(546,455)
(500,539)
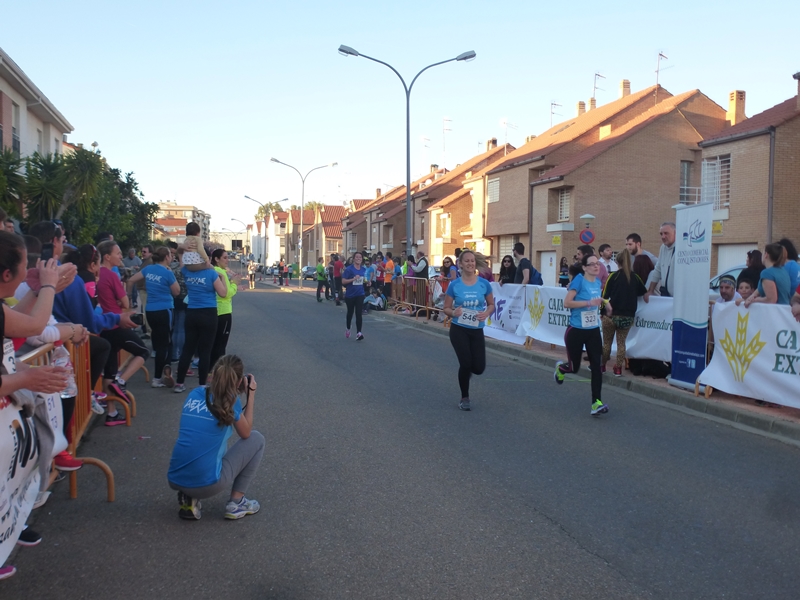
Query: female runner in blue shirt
(469,302)
(353,278)
(584,297)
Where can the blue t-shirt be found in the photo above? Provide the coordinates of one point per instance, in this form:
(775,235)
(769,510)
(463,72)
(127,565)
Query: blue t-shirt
(471,299)
(587,317)
(157,280)
(368,273)
(200,288)
(782,280)
(202,442)
(793,268)
(357,287)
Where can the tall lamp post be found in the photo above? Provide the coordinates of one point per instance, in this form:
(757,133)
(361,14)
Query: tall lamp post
(247,235)
(266,212)
(464,56)
(302,207)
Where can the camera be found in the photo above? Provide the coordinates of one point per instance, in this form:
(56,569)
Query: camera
(138,319)
(47,252)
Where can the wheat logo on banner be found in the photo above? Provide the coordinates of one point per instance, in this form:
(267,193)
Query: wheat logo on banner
(741,352)
(535,309)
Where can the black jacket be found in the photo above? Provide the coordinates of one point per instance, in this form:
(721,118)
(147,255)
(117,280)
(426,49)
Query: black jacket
(623,294)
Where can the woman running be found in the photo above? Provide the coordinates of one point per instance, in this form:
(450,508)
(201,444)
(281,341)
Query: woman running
(161,287)
(251,274)
(219,260)
(353,278)
(584,299)
(201,322)
(202,465)
(469,302)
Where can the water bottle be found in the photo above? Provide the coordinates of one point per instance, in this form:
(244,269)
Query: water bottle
(61,359)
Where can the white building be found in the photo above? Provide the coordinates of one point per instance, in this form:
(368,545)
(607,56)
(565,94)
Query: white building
(276,236)
(174,217)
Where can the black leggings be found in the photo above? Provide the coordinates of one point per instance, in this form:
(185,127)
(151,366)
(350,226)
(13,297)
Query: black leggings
(354,304)
(160,322)
(99,349)
(574,340)
(323,284)
(224,324)
(201,331)
(122,339)
(470,348)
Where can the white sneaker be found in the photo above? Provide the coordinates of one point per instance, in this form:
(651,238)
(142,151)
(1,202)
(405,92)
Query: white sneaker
(179,387)
(96,407)
(157,383)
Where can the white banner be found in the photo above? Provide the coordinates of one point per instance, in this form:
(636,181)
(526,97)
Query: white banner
(651,334)
(545,319)
(509,304)
(19,480)
(756,353)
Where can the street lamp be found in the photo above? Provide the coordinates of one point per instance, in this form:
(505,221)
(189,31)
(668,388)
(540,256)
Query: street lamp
(302,207)
(266,211)
(247,234)
(464,56)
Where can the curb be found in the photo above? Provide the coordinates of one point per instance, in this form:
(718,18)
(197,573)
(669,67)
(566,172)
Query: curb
(775,428)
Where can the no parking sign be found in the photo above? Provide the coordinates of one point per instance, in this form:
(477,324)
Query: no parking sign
(587,236)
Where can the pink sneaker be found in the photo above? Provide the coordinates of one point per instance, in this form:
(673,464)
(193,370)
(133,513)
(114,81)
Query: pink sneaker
(347,334)
(7,571)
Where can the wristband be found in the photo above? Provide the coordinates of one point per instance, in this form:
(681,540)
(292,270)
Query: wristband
(47,285)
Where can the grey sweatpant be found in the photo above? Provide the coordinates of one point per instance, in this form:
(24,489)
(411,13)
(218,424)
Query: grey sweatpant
(239,466)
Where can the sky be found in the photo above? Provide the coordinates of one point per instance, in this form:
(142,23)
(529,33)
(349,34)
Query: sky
(195,97)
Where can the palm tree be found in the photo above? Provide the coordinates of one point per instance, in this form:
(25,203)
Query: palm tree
(266,209)
(82,173)
(12,193)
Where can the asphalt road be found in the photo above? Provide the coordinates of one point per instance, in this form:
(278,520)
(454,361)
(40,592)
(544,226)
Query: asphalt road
(375,485)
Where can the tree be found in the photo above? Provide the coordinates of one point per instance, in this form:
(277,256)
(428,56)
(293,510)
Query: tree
(12,193)
(313,205)
(266,209)
(55,182)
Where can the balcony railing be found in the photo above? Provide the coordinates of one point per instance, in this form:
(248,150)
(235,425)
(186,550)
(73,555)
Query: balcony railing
(690,195)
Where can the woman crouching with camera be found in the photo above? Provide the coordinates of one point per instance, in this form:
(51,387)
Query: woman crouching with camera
(200,467)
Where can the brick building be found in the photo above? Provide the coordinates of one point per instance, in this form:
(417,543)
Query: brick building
(752,174)
(323,236)
(292,232)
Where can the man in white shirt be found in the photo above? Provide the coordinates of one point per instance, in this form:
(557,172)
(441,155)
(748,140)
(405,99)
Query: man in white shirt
(606,257)
(727,290)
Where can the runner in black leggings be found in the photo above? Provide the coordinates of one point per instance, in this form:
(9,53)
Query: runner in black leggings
(469,301)
(353,278)
(201,322)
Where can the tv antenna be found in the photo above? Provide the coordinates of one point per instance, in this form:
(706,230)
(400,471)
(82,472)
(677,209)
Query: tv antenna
(553,105)
(659,69)
(445,128)
(595,88)
(504,123)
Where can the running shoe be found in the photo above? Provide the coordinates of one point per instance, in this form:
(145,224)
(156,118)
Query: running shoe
(97,408)
(117,419)
(41,499)
(464,404)
(598,408)
(190,507)
(99,396)
(195,363)
(166,377)
(190,372)
(65,462)
(237,510)
(119,389)
(558,374)
(359,336)
(7,571)
(602,368)
(617,371)
(179,387)
(347,334)
(29,537)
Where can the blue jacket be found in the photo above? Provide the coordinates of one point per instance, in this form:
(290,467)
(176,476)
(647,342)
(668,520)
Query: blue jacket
(73,306)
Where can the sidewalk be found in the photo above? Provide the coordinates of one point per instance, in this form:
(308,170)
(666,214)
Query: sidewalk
(781,423)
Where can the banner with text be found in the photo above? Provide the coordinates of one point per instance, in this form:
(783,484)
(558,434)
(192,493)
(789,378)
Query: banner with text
(545,318)
(19,482)
(756,354)
(509,305)
(692,268)
(651,334)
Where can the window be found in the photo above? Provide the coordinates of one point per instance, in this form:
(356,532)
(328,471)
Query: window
(506,245)
(717,181)
(388,234)
(15,145)
(331,245)
(563,204)
(688,194)
(39,141)
(493,190)
(56,146)
(443,229)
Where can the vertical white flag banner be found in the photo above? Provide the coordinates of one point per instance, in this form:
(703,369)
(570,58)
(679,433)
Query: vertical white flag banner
(691,273)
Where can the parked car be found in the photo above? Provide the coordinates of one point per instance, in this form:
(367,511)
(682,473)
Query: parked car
(309,272)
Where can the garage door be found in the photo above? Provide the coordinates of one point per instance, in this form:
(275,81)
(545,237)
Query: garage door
(730,255)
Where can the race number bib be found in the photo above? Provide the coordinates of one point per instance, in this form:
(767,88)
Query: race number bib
(589,319)
(358,280)
(469,318)
(8,357)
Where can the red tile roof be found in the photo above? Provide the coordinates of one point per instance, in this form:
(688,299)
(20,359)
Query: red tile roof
(308,216)
(359,204)
(772,117)
(630,128)
(457,195)
(331,217)
(571,129)
(280,217)
(170,222)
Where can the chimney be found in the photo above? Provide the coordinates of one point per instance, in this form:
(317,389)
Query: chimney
(592,103)
(797,78)
(434,168)
(624,88)
(530,138)
(735,112)
(581,107)
(377,193)
(492,143)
